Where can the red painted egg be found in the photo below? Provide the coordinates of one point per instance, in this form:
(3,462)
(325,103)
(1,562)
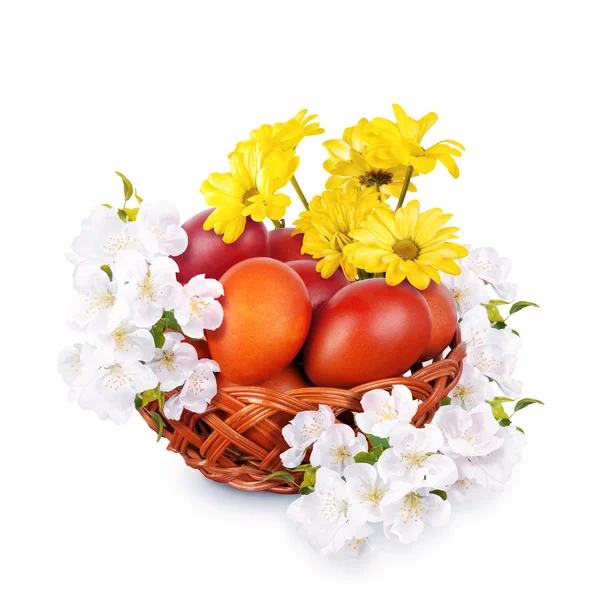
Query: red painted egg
(367,331)
(443,319)
(319,289)
(267,315)
(208,254)
(284,247)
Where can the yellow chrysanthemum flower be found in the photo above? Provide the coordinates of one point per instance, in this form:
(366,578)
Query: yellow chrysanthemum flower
(406,244)
(250,189)
(329,223)
(401,142)
(350,166)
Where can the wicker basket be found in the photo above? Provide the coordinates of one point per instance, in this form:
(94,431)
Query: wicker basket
(238,440)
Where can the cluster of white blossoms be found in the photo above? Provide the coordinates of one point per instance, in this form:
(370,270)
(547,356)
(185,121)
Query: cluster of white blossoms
(402,483)
(135,315)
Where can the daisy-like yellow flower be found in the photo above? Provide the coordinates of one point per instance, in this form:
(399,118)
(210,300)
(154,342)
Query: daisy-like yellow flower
(406,244)
(401,141)
(250,189)
(329,223)
(351,167)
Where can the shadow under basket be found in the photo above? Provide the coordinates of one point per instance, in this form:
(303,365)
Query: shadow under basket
(238,440)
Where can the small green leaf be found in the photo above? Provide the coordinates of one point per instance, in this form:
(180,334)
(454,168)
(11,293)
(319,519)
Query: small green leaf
(160,424)
(306,490)
(498,302)
(515,332)
(158,333)
(519,305)
(521,430)
(446,401)
(131,213)
(499,325)
(170,321)
(439,493)
(526,402)
(492,312)
(138,401)
(504,422)
(497,410)
(107,205)
(138,198)
(281,475)
(302,468)
(161,400)
(127,187)
(151,395)
(106,268)
(378,442)
(369,457)
(308,483)
(503,399)
(122,215)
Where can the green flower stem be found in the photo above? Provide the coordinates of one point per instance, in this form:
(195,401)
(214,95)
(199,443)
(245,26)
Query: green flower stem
(362,275)
(405,187)
(278,224)
(299,191)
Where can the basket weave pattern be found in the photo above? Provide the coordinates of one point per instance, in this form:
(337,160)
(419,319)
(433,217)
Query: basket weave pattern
(227,442)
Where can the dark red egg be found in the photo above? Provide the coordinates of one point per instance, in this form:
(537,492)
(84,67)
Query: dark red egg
(443,319)
(284,247)
(367,331)
(208,254)
(319,289)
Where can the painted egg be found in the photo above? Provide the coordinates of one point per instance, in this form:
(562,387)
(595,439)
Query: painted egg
(319,289)
(208,254)
(267,315)
(443,319)
(284,247)
(367,331)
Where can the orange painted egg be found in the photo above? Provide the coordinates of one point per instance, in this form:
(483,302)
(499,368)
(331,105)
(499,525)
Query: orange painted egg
(319,289)
(367,331)
(443,319)
(284,247)
(267,315)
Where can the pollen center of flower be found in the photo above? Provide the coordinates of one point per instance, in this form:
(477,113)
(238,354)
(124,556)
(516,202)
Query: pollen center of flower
(375,494)
(197,305)
(387,413)
(249,194)
(406,249)
(340,454)
(167,360)
(119,336)
(376,177)
(147,289)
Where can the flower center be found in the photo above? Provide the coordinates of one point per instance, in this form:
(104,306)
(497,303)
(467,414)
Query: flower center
(387,413)
(406,249)
(249,194)
(119,336)
(167,359)
(413,509)
(340,454)
(376,177)
(197,306)
(147,289)
(375,494)
(463,393)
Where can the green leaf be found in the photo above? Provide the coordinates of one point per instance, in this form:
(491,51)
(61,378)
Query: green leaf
(378,442)
(302,468)
(308,483)
(306,490)
(138,401)
(108,271)
(122,215)
(498,302)
(503,399)
(138,198)
(127,187)
(492,312)
(519,305)
(160,424)
(170,321)
(282,475)
(161,400)
(369,457)
(446,401)
(107,205)
(151,395)
(521,430)
(515,332)
(439,493)
(499,325)
(526,402)
(497,410)
(158,333)
(131,213)
(504,422)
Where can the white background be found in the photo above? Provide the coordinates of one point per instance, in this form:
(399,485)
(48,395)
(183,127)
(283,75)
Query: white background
(162,91)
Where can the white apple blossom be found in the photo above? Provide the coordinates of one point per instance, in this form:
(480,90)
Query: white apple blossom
(174,362)
(366,488)
(145,291)
(467,290)
(406,511)
(489,266)
(197,392)
(475,326)
(158,230)
(414,458)
(384,410)
(327,517)
(93,309)
(198,309)
(75,365)
(111,392)
(472,388)
(125,343)
(103,235)
(302,431)
(468,433)
(336,447)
